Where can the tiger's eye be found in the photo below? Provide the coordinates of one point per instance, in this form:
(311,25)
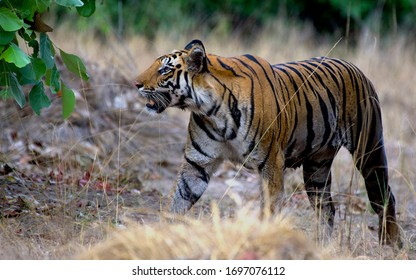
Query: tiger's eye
(164,70)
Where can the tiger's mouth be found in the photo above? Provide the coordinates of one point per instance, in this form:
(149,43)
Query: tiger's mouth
(152,105)
(156,101)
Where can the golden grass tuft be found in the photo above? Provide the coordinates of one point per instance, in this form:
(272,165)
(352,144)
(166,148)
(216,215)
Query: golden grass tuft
(242,237)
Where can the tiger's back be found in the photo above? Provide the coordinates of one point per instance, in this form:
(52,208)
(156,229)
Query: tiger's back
(270,117)
(331,104)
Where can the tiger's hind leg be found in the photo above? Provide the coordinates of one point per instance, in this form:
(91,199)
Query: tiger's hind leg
(373,166)
(317,180)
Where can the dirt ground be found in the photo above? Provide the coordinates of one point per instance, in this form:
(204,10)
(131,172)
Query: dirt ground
(66,185)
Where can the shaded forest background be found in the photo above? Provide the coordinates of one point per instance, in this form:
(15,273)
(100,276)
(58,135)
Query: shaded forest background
(336,17)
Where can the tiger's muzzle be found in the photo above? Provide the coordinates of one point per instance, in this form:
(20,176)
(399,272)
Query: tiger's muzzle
(157,100)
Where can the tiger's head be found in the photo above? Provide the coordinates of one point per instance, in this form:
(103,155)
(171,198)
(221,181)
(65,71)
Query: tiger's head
(171,80)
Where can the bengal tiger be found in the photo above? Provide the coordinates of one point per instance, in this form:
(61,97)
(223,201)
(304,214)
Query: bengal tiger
(271,117)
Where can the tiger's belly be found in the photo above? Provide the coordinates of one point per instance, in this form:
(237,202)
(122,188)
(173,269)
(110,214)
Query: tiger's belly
(296,151)
(238,153)
(315,143)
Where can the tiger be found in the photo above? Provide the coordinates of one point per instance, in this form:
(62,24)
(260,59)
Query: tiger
(269,117)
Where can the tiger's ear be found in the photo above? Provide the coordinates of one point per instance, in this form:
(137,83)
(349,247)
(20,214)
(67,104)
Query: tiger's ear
(196,61)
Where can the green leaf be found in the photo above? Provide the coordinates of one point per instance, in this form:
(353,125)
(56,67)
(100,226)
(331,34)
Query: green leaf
(35,46)
(4,72)
(52,79)
(6,36)
(68,101)
(13,54)
(74,64)
(46,51)
(38,99)
(35,70)
(38,67)
(41,5)
(70,3)
(14,89)
(27,8)
(88,9)
(3,94)
(9,21)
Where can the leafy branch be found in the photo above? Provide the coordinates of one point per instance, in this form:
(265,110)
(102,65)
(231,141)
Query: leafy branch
(37,69)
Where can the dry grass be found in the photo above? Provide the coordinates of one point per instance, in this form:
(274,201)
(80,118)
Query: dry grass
(132,160)
(243,237)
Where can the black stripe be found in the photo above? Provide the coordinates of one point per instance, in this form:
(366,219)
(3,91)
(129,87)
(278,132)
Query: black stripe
(211,110)
(375,137)
(252,107)
(332,101)
(362,95)
(310,136)
(253,141)
(318,75)
(248,67)
(321,72)
(178,79)
(295,124)
(228,67)
(200,123)
(263,163)
(209,61)
(338,65)
(214,109)
(224,129)
(306,64)
(195,96)
(186,193)
(283,86)
(297,72)
(295,86)
(325,117)
(188,89)
(272,86)
(274,72)
(252,93)
(289,149)
(197,147)
(332,72)
(276,91)
(233,106)
(217,109)
(354,126)
(204,175)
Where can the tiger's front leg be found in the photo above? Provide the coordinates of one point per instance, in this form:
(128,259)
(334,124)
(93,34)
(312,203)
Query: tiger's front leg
(272,185)
(191,184)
